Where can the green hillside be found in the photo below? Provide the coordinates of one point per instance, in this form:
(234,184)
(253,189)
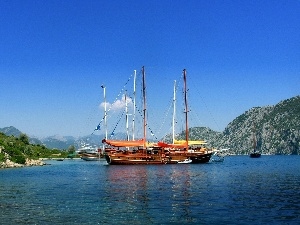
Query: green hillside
(17,149)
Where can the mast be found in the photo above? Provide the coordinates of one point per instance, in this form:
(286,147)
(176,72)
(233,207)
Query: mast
(126,110)
(134,94)
(254,138)
(186,112)
(174,111)
(105,115)
(105,112)
(144,101)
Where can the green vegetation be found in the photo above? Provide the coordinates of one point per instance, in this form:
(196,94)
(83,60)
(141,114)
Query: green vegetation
(17,149)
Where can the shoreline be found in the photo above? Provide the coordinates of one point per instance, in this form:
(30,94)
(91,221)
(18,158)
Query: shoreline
(43,159)
(29,162)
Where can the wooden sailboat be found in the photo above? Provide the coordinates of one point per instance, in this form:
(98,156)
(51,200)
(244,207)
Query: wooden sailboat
(130,152)
(193,150)
(255,153)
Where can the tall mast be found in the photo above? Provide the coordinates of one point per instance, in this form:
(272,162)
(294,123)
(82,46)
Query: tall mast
(105,112)
(174,111)
(134,94)
(144,100)
(105,115)
(126,110)
(186,112)
(254,138)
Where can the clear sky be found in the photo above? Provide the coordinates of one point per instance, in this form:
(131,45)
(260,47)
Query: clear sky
(55,55)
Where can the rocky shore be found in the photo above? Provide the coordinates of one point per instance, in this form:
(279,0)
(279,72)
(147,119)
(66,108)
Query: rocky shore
(29,162)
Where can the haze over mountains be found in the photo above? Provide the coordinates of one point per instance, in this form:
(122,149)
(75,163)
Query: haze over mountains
(277,130)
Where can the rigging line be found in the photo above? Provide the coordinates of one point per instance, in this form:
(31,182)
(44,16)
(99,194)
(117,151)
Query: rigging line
(118,122)
(166,116)
(206,107)
(136,107)
(123,88)
(115,100)
(210,113)
(151,131)
(149,128)
(122,91)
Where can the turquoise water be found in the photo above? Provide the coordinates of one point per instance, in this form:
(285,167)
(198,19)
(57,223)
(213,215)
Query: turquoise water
(239,190)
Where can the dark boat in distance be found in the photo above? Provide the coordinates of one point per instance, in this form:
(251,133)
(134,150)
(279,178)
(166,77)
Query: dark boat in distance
(255,155)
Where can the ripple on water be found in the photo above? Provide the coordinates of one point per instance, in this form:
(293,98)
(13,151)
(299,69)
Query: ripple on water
(237,191)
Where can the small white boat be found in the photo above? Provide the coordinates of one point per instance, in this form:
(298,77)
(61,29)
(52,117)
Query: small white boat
(217,159)
(185,161)
(86,148)
(90,157)
(219,155)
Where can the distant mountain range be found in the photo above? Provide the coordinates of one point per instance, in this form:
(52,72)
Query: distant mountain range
(61,142)
(277,130)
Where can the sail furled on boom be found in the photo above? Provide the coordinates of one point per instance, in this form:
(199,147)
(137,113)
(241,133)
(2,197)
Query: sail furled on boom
(123,143)
(200,142)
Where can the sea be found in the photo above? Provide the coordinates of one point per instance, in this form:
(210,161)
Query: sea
(239,190)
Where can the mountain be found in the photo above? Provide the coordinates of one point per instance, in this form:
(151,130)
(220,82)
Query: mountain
(197,133)
(11,131)
(56,141)
(277,129)
(59,142)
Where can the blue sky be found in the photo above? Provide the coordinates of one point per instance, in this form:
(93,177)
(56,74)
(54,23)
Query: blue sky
(55,55)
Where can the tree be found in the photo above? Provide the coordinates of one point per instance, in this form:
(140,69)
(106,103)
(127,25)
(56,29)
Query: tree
(71,149)
(24,138)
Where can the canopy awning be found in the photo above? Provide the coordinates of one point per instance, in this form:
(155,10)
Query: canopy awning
(191,142)
(122,143)
(166,145)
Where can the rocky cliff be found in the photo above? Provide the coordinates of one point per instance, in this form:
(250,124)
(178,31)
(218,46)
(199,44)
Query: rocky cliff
(276,129)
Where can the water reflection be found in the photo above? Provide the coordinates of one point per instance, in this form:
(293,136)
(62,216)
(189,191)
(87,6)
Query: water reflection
(144,191)
(238,191)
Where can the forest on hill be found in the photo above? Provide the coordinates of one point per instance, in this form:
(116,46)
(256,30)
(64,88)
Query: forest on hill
(18,149)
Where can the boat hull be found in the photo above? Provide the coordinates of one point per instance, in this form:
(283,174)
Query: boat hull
(187,161)
(90,157)
(203,158)
(169,158)
(196,157)
(255,155)
(137,160)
